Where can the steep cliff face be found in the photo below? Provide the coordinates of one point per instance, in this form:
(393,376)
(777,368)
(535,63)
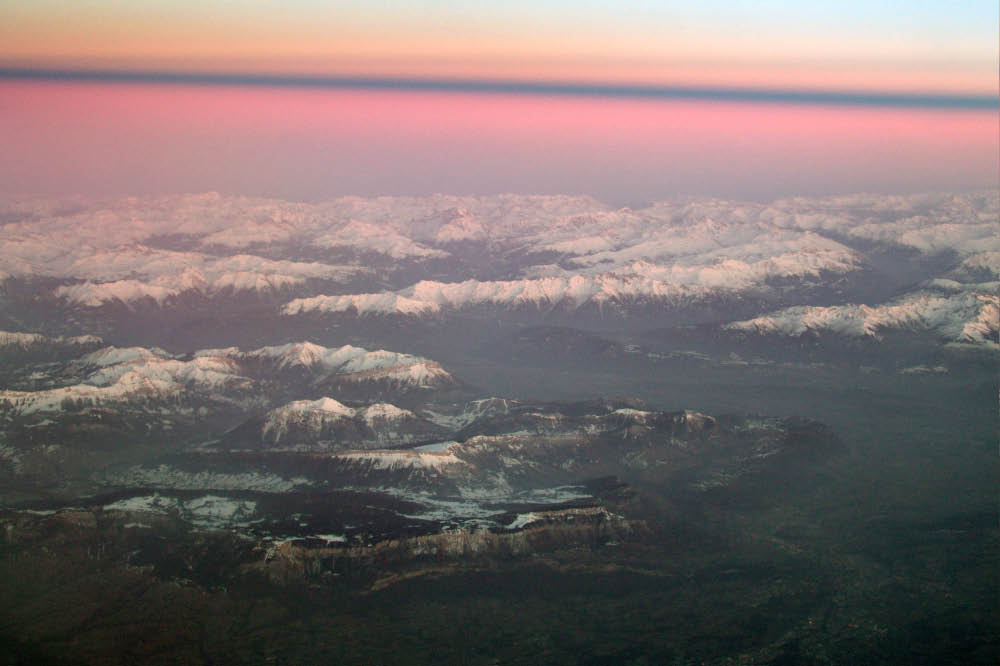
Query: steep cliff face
(134,541)
(297,561)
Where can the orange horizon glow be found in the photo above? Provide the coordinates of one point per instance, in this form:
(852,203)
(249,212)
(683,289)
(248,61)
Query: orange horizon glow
(645,43)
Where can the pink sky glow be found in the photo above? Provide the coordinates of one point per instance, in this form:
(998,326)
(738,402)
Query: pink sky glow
(108,139)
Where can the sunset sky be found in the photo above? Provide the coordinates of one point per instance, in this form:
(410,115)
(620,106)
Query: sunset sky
(148,136)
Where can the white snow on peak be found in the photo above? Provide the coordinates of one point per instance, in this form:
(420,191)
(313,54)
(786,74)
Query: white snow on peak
(311,415)
(324,405)
(670,252)
(128,387)
(201,371)
(260,283)
(107,241)
(305,354)
(637,280)
(383,411)
(428,297)
(963,317)
(341,360)
(383,303)
(94,294)
(363,361)
(133,272)
(127,291)
(354,363)
(115,355)
(131,374)
(421,374)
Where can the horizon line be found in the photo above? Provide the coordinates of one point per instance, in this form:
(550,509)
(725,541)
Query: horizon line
(767,95)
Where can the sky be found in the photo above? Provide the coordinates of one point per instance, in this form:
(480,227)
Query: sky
(259,136)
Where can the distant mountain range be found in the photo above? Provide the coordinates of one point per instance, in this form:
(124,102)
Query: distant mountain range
(851,265)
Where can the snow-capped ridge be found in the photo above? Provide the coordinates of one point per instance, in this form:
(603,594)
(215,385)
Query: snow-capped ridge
(350,363)
(129,387)
(637,281)
(112,355)
(963,316)
(381,303)
(94,294)
(308,423)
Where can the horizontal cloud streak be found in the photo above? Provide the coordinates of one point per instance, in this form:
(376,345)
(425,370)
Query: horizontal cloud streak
(958,102)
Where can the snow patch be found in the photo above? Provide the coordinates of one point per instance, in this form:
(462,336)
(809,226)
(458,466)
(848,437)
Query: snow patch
(168,477)
(206,511)
(401,459)
(524,519)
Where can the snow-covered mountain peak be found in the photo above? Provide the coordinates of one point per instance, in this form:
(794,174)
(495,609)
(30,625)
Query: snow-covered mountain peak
(117,355)
(325,405)
(305,354)
(201,371)
(327,424)
(383,411)
(310,417)
(328,406)
(419,374)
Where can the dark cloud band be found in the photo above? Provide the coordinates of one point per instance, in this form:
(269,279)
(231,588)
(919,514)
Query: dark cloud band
(488,86)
